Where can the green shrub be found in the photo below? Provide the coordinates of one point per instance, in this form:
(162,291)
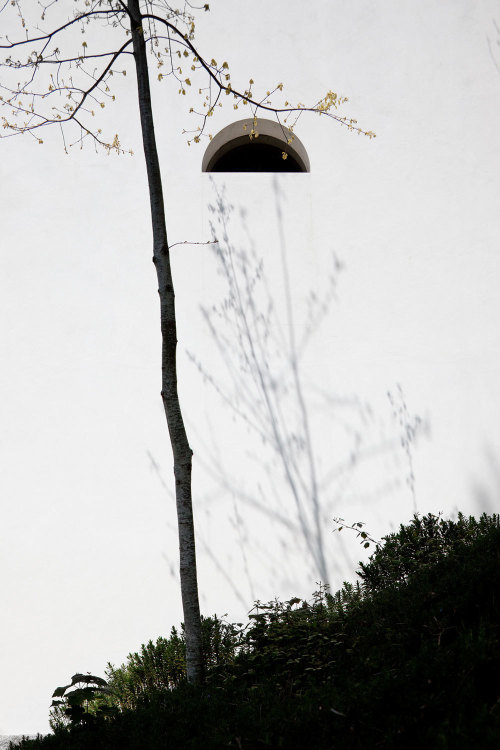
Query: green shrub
(86,699)
(407,658)
(162,665)
(420,544)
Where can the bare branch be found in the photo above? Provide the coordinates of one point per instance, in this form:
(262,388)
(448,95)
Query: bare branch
(63,27)
(321,107)
(72,116)
(179,33)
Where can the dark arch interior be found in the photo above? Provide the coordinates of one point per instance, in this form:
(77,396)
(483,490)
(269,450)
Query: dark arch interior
(255,157)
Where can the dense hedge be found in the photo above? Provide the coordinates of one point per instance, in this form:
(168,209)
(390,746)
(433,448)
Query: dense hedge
(408,657)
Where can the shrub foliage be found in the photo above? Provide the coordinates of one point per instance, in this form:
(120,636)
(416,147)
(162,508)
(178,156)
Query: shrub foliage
(408,656)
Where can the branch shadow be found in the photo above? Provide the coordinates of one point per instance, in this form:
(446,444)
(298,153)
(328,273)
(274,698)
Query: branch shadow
(262,348)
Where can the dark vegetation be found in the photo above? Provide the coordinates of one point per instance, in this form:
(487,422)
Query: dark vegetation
(408,657)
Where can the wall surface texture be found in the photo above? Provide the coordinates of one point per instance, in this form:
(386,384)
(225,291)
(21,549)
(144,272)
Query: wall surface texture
(338,347)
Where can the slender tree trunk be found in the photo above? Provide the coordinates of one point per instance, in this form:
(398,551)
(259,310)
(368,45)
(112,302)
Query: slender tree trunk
(180,447)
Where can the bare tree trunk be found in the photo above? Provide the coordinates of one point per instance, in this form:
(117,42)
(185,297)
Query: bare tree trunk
(180,447)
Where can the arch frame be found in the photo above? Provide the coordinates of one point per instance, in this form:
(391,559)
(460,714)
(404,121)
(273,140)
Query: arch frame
(270,133)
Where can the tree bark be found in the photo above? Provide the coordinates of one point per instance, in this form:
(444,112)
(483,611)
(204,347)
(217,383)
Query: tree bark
(182,452)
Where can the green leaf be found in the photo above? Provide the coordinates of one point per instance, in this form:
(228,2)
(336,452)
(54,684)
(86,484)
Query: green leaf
(59,692)
(87,678)
(76,697)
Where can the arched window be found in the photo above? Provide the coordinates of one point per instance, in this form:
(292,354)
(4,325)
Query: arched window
(233,150)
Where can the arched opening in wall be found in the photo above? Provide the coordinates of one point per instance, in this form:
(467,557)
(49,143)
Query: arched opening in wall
(234,150)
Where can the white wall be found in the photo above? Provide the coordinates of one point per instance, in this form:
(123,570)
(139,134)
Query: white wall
(88,547)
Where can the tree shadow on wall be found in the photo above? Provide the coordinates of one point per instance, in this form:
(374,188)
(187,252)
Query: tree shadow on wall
(494,44)
(297,475)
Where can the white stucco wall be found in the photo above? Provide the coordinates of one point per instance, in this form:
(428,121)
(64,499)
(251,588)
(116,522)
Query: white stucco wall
(88,546)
